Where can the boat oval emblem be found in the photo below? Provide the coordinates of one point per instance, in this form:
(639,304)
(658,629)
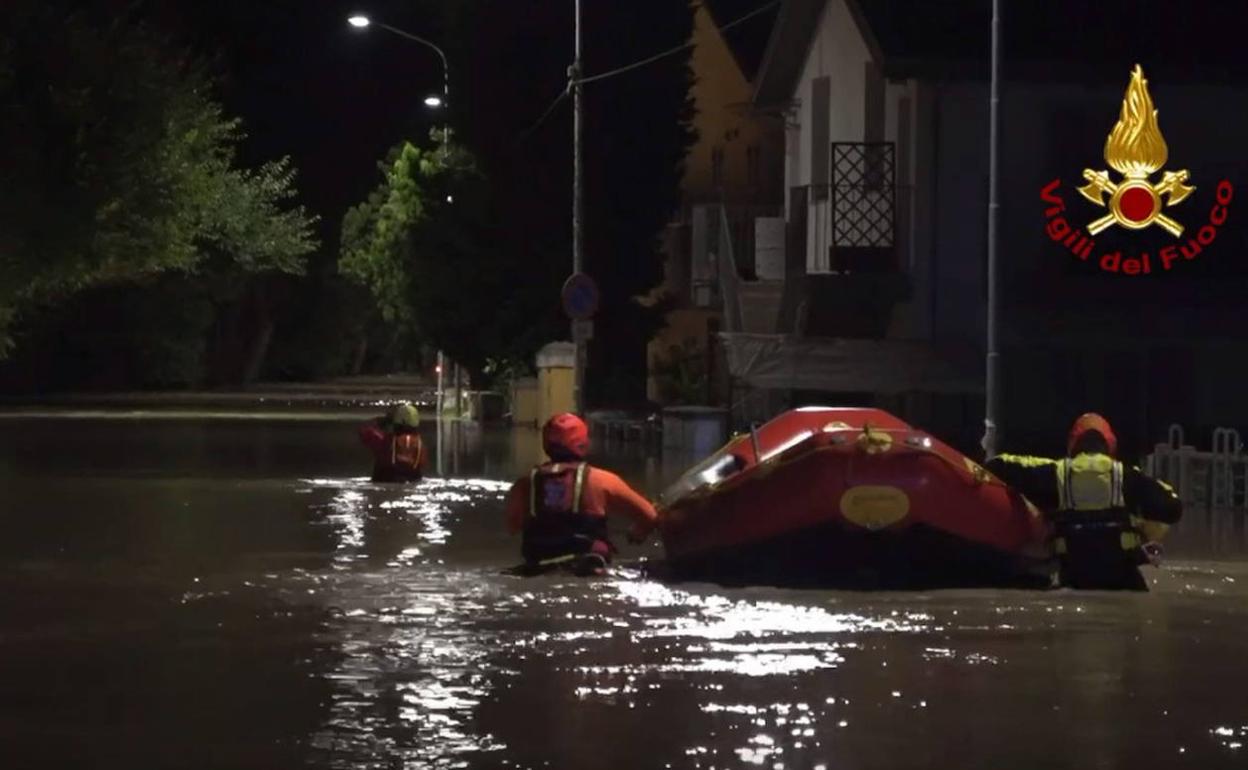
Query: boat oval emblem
(874,507)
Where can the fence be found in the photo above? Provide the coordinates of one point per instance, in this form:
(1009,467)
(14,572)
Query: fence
(1213,480)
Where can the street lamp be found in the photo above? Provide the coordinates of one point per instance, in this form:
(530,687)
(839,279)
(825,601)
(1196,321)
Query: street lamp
(360,21)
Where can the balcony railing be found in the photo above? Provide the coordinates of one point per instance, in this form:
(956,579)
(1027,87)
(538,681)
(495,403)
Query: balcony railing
(852,223)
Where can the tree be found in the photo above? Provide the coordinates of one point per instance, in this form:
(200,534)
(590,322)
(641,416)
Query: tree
(425,245)
(118,165)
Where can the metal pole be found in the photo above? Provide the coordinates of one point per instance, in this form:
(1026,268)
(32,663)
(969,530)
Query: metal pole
(459,397)
(439,413)
(992,390)
(578,193)
(446,75)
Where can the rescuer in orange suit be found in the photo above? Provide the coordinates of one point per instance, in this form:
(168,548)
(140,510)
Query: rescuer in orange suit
(398,453)
(1108,518)
(560,509)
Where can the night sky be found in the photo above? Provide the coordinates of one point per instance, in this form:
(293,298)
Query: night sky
(308,85)
(336,98)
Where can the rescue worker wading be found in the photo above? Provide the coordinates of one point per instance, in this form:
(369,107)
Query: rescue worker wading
(561,508)
(1107,518)
(398,454)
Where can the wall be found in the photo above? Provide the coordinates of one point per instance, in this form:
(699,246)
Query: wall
(839,54)
(723,121)
(1149,350)
(721,95)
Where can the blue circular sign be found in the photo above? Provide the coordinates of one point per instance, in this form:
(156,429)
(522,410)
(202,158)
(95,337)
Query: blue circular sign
(580,297)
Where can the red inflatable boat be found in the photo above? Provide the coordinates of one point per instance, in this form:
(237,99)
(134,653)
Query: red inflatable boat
(851,497)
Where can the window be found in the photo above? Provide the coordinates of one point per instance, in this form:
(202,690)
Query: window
(717,166)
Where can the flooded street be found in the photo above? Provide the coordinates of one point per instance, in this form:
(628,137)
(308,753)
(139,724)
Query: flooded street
(233,593)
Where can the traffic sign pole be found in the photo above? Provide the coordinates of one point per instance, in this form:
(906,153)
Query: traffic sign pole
(580,302)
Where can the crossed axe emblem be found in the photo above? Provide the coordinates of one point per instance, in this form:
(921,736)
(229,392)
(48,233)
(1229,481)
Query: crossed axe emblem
(1134,188)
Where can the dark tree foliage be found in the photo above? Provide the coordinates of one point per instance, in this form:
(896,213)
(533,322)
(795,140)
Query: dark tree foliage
(119,167)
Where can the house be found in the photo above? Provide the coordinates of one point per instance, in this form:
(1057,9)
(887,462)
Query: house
(886,172)
(734,166)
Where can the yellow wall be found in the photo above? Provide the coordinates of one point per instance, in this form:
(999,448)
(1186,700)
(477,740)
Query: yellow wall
(554,392)
(526,447)
(722,97)
(524,407)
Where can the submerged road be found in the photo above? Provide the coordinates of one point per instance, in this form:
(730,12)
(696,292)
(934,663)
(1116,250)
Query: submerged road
(231,593)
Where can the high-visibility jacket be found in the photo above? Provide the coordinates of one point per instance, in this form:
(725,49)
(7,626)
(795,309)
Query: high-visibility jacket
(1092,491)
(1090,497)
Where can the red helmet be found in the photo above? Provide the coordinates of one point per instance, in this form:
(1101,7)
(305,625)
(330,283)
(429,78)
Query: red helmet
(1092,422)
(565,434)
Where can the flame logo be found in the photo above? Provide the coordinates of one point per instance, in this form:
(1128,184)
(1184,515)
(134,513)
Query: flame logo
(1135,148)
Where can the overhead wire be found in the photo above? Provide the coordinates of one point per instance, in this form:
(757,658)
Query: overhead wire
(670,51)
(640,63)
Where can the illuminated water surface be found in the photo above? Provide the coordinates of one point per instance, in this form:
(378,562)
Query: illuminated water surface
(235,593)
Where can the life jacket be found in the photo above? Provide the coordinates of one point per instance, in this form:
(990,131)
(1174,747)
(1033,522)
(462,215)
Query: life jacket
(399,459)
(1090,500)
(558,526)
(406,451)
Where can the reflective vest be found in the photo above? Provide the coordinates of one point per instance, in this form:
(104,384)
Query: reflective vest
(1089,493)
(406,450)
(558,526)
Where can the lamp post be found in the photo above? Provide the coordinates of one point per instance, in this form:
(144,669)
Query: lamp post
(992,392)
(578,205)
(361,21)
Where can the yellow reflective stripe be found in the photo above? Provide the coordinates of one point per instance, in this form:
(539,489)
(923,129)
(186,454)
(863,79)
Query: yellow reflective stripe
(580,486)
(1028,461)
(1063,491)
(1153,531)
(557,559)
(533,493)
(1119,501)
(1130,540)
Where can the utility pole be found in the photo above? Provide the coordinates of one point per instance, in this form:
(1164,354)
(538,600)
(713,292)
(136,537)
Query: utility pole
(992,387)
(438,414)
(578,205)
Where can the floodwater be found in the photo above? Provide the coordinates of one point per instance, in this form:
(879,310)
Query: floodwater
(233,593)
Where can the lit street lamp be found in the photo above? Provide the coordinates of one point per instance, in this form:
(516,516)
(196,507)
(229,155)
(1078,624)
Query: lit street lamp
(360,21)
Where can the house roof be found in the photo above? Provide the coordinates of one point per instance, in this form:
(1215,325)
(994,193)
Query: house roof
(1055,40)
(748,40)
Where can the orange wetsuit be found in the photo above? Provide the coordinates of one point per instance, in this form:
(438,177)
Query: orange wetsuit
(569,511)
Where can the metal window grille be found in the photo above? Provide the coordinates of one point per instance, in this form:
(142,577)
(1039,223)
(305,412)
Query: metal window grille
(864,194)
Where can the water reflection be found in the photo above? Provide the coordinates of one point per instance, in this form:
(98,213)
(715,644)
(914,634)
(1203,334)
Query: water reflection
(243,586)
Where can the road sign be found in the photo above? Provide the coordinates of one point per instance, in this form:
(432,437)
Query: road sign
(582,330)
(580,297)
